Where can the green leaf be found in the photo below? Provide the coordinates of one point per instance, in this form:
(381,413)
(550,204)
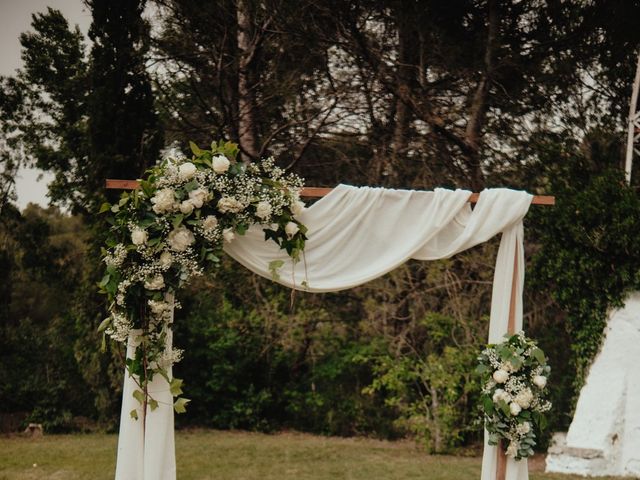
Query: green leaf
(180,405)
(147,188)
(177,220)
(139,396)
(175,387)
(105,207)
(192,185)
(274,266)
(104,324)
(153,404)
(539,355)
(134,414)
(195,149)
(489,408)
(504,407)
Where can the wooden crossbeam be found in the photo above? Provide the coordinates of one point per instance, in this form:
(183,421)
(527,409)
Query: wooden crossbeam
(316,192)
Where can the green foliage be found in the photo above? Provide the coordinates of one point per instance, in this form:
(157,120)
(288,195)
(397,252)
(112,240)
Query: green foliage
(430,385)
(86,113)
(590,249)
(43,256)
(172,229)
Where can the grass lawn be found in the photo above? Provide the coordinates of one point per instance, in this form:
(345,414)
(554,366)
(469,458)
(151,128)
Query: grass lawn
(206,454)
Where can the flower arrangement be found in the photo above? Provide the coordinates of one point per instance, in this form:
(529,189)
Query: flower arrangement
(514,378)
(173,228)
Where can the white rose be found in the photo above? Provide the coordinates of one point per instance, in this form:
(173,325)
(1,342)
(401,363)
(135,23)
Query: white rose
(166,259)
(180,239)
(515,408)
(187,171)
(164,201)
(540,381)
(139,236)
(524,398)
(220,164)
(297,207)
(523,428)
(154,283)
(228,234)
(186,207)
(209,223)
(198,197)
(500,376)
(229,204)
(497,395)
(291,229)
(263,210)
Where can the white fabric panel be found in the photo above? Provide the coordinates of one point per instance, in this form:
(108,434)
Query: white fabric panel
(511,248)
(357,234)
(150,455)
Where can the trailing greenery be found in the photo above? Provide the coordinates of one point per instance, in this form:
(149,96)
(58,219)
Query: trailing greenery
(173,229)
(589,257)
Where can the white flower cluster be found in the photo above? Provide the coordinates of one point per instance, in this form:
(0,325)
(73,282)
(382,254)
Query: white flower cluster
(515,382)
(180,219)
(116,257)
(120,327)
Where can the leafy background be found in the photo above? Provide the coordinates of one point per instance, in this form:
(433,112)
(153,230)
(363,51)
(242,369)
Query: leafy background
(420,94)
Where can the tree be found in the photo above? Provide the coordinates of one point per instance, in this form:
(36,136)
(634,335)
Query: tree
(85,120)
(125,135)
(43,108)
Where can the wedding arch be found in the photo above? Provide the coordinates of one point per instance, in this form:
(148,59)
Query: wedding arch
(353,235)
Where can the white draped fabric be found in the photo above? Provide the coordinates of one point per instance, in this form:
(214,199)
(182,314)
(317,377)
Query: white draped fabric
(146,449)
(357,234)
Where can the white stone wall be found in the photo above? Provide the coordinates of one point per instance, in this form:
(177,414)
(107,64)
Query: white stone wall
(604,436)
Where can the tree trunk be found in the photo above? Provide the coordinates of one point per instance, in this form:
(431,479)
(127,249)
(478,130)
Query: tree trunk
(405,71)
(437,432)
(247,136)
(479,103)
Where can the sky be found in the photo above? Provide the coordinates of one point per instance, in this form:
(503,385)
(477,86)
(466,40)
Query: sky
(15,18)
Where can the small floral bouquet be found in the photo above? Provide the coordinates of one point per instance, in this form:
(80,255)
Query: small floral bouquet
(514,378)
(173,228)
